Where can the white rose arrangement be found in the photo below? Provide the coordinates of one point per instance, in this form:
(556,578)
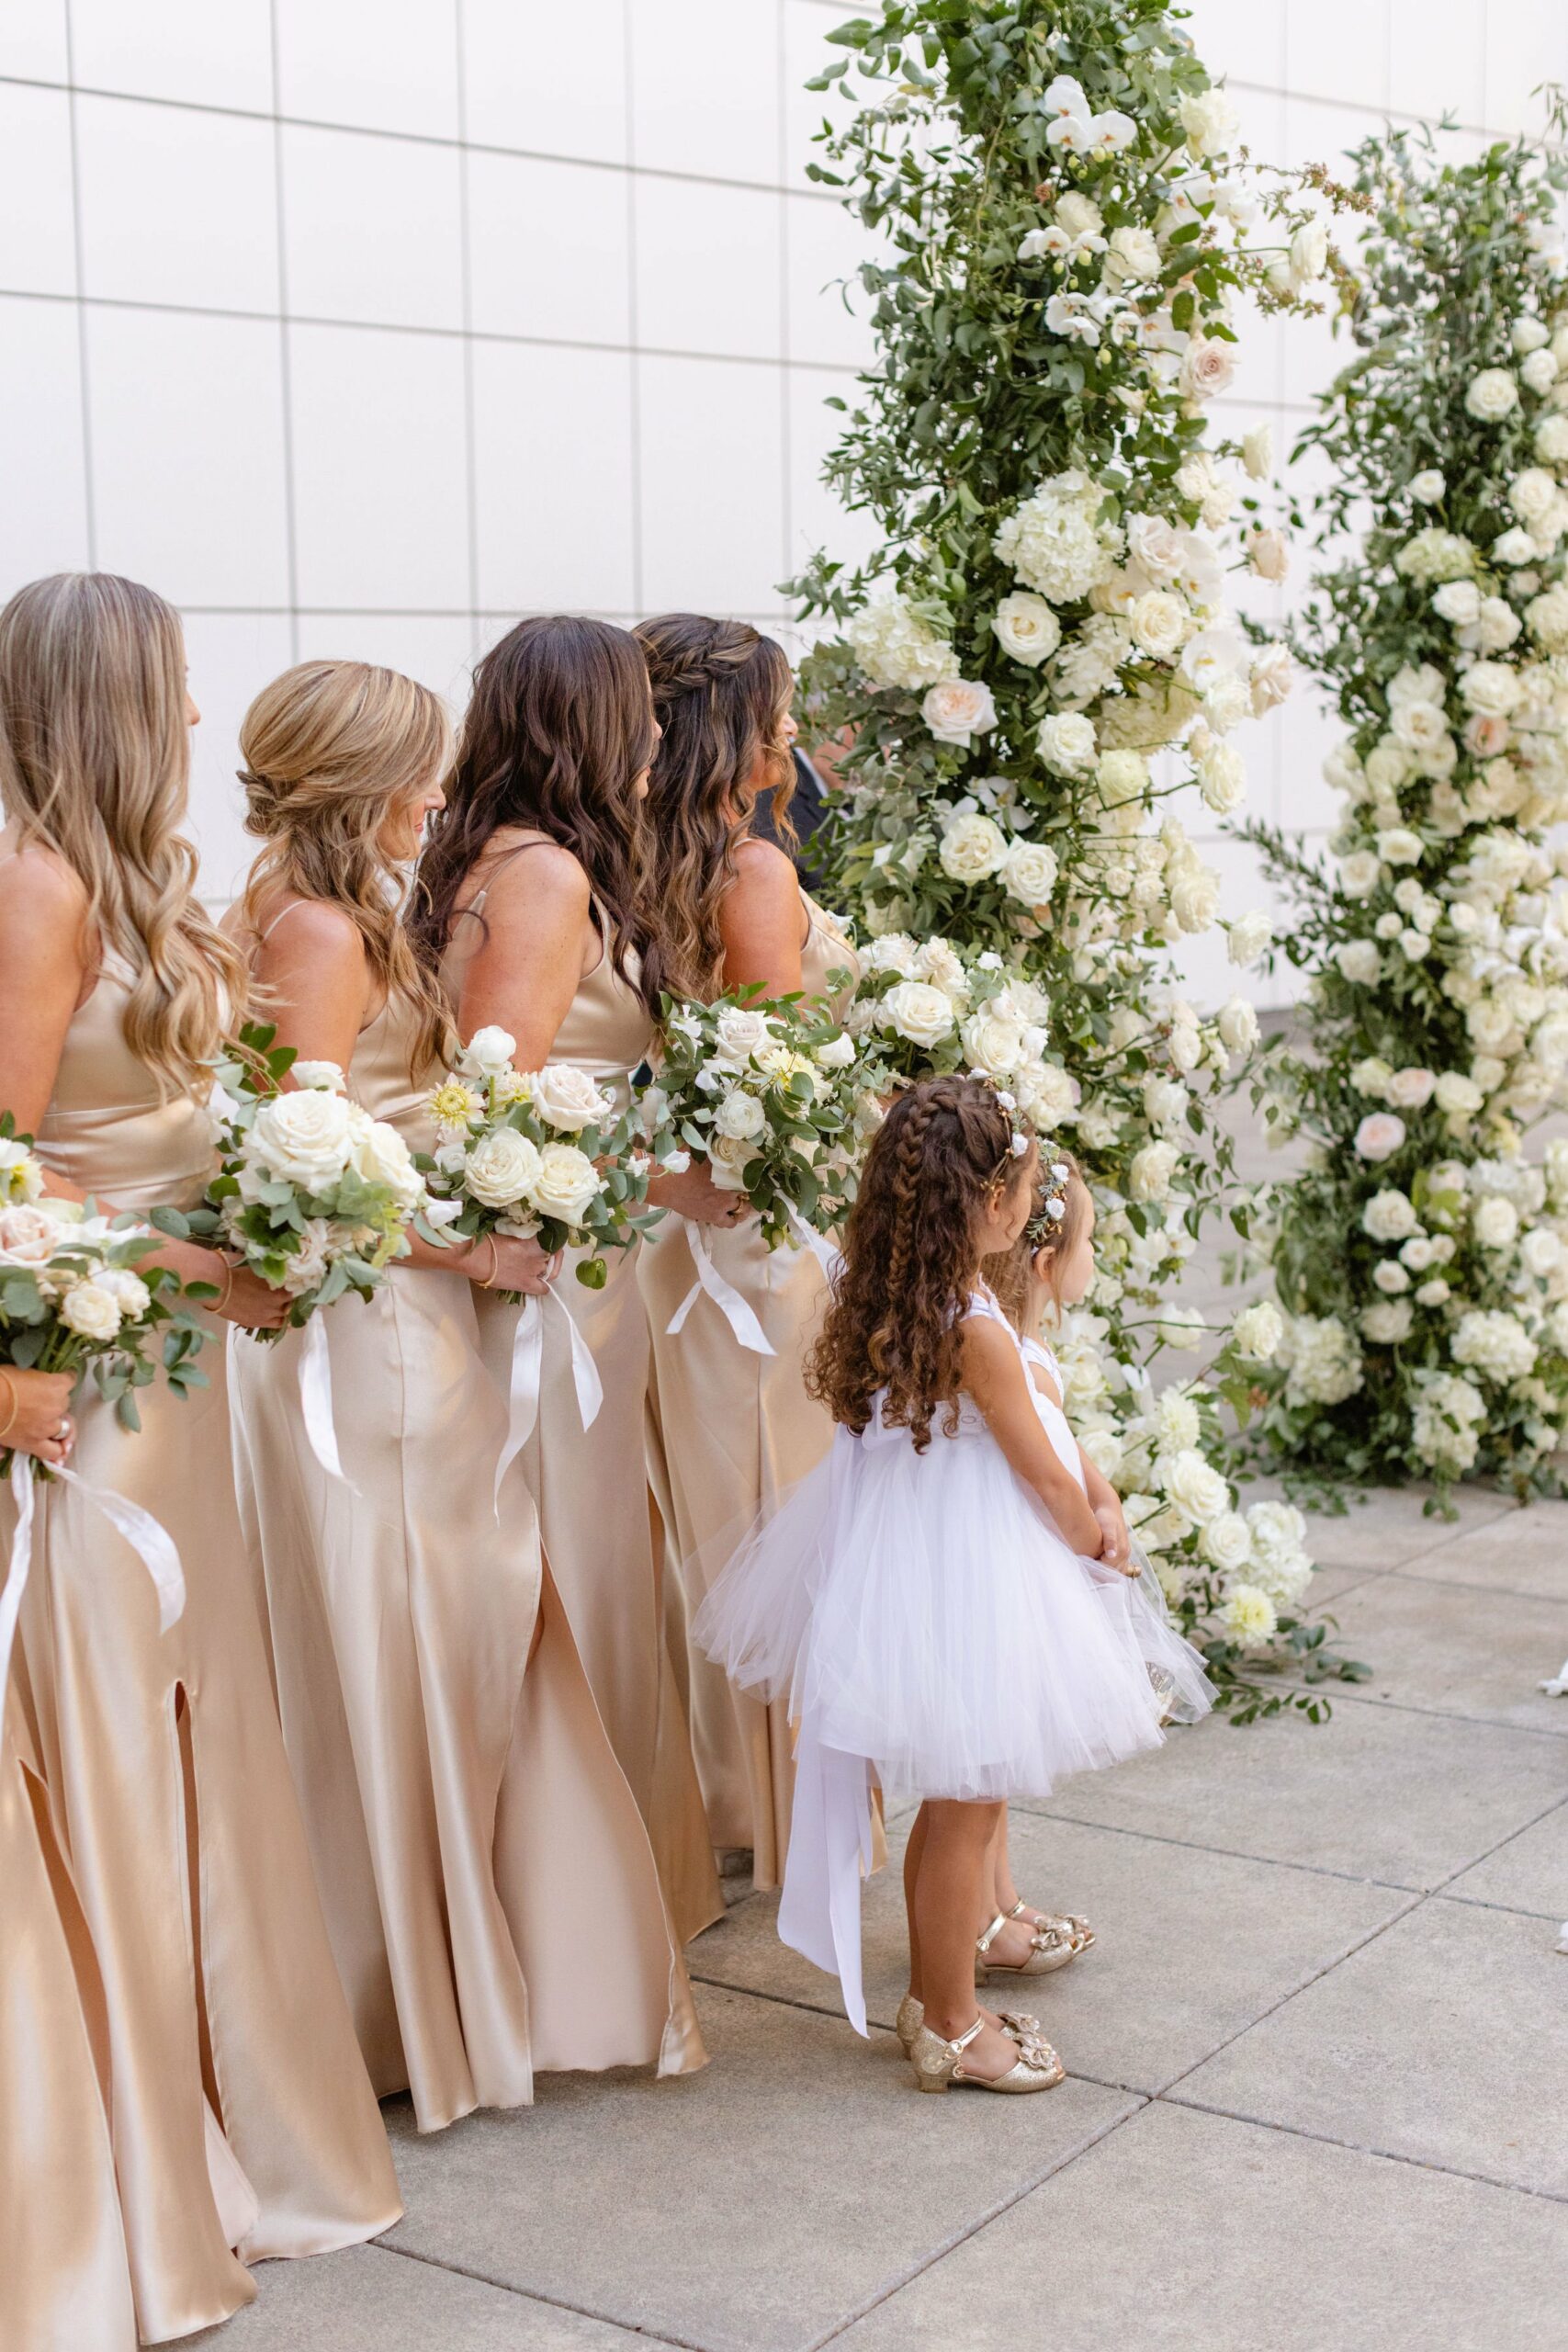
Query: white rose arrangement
(77,1295)
(541,1154)
(1420,1257)
(313,1195)
(772,1093)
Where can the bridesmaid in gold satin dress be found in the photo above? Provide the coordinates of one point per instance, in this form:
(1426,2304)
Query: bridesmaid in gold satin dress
(64,2280)
(243,2124)
(533,902)
(487,1878)
(731,1430)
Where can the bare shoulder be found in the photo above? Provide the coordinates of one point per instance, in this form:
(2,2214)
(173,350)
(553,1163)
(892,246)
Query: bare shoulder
(310,931)
(990,1354)
(43,906)
(541,873)
(762,868)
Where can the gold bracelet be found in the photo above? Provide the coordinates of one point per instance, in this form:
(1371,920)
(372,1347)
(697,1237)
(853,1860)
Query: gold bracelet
(489,1281)
(227,1292)
(9,1380)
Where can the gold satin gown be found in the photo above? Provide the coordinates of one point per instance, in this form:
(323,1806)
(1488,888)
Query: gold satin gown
(487,1878)
(729,1432)
(64,2280)
(165,1781)
(591,1486)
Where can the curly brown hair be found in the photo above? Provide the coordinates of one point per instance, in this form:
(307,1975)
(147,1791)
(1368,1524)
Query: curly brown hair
(721,692)
(909,1265)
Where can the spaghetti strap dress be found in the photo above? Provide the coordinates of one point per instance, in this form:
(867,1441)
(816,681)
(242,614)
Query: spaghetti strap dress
(243,2121)
(591,1486)
(730,1431)
(464,1811)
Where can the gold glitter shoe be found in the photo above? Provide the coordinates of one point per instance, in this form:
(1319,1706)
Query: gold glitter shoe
(1047,1951)
(938,2063)
(1066,1923)
(912,2015)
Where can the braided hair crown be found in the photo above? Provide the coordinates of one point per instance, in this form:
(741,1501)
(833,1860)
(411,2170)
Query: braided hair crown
(686,652)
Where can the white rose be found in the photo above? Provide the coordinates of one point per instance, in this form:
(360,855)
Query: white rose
(318,1074)
(502,1169)
(739,1034)
(1195,900)
(1358,874)
(1378,1135)
(1158,623)
(1066,742)
(1527,333)
(1027,628)
(1309,254)
(567,1098)
(381,1156)
(1532,494)
(1227,1542)
(739,1115)
(1457,602)
(1512,547)
(727,1159)
(993,1043)
(1411,1089)
(487,1052)
(1194,1486)
(1552,440)
(1359,961)
(1250,935)
(1269,554)
(129,1291)
(1270,678)
(1238,1025)
(1538,371)
(1458,1097)
(1495,1224)
(90,1309)
(1257,452)
(307,1267)
(837,1054)
(916,1011)
(1492,395)
(1209,122)
(1389,1216)
(1155,544)
(1427,486)
(1399,846)
(958,710)
(1221,777)
(1207,368)
(1387,1322)
(1541,1251)
(1490,687)
(565,1182)
(1149,1177)
(1031,872)
(1391,1278)
(1258,1330)
(303,1138)
(971,848)
(1133,256)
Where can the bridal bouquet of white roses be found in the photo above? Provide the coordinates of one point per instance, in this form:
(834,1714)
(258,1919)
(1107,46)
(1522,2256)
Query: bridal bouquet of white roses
(314,1196)
(541,1154)
(771,1091)
(75,1296)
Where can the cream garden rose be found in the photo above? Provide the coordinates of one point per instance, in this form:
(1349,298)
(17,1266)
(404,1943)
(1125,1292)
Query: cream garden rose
(305,1138)
(958,710)
(1027,628)
(565,1182)
(502,1169)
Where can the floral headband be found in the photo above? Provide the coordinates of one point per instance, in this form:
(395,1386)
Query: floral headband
(1054,1177)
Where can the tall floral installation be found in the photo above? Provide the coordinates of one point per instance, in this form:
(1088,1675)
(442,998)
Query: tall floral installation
(1040,655)
(1422,1258)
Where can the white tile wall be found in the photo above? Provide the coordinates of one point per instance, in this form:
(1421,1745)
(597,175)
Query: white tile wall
(399,317)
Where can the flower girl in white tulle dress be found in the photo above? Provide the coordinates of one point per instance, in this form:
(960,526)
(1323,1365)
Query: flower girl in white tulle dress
(937,1602)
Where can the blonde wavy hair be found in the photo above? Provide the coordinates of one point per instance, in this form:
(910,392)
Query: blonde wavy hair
(330,749)
(94,765)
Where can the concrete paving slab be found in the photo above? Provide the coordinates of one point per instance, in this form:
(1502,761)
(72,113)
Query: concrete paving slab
(1529,1873)
(1388,1528)
(1184,2229)
(1452,1650)
(1192,1946)
(747,2209)
(368,2300)
(1523,1551)
(1372,1793)
(1441,2040)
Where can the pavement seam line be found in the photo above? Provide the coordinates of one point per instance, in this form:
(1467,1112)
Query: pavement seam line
(1363,2148)
(533,2295)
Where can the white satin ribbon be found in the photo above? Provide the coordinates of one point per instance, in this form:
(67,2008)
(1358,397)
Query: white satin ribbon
(827,1257)
(724,1295)
(528,1378)
(829,1855)
(316,1400)
(151,1543)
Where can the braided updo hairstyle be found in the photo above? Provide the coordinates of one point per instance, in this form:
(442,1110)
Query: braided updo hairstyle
(721,692)
(909,1265)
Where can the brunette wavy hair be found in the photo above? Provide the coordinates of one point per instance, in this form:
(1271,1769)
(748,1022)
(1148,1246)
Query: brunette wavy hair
(559,728)
(721,692)
(1011,1273)
(330,749)
(909,1264)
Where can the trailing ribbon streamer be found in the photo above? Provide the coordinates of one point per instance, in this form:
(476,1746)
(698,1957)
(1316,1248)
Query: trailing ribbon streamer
(527,1377)
(316,1400)
(724,1295)
(827,1257)
(152,1544)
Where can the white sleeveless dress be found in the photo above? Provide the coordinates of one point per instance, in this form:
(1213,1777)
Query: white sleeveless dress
(934,1635)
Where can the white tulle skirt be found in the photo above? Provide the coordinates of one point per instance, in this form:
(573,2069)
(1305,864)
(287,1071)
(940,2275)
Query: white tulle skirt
(920,1611)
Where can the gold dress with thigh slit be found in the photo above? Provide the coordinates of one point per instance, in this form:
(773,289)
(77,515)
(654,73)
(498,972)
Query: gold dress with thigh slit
(243,2123)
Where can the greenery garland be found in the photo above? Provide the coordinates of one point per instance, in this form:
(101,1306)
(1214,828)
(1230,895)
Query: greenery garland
(1423,1261)
(1063,242)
